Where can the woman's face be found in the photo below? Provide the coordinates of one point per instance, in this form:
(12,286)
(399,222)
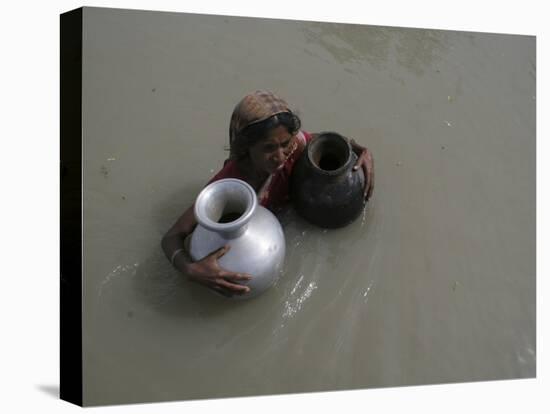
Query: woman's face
(270,153)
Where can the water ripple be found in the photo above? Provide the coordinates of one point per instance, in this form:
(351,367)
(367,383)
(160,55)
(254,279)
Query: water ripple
(294,306)
(117,272)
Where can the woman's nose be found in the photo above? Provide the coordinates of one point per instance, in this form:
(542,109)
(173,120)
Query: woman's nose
(280,155)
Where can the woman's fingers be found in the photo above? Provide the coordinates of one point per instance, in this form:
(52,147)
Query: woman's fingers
(221,280)
(221,291)
(368,180)
(371,185)
(235,276)
(221,251)
(359,161)
(367,164)
(363,162)
(234,287)
(370,172)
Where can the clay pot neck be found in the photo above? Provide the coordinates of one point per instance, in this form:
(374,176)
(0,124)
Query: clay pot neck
(330,154)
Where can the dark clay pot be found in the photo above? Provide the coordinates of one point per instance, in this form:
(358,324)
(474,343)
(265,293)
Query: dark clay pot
(324,189)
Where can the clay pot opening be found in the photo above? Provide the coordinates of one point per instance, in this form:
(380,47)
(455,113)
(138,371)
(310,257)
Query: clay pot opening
(330,153)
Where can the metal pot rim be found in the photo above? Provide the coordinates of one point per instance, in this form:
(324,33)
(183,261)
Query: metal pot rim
(237,186)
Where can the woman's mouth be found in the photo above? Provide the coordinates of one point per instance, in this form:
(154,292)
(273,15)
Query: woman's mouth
(276,166)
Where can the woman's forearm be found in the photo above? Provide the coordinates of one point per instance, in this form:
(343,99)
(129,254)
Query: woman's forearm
(173,242)
(357,148)
(174,250)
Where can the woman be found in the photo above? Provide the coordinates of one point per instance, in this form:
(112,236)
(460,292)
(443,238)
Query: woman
(265,141)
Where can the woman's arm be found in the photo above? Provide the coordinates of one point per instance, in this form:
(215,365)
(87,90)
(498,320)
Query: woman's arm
(173,241)
(206,271)
(366,162)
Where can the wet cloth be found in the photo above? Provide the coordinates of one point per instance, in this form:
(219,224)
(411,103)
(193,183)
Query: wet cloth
(275,191)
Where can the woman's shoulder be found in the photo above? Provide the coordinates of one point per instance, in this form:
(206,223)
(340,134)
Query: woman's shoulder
(305,136)
(230,169)
(303,139)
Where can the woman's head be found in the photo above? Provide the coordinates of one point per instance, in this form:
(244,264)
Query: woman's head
(261,128)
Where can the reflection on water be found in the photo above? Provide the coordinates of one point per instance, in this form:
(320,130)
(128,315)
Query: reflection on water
(382,47)
(126,271)
(295,302)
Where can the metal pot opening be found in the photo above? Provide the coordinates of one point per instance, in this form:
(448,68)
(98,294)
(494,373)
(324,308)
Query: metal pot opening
(226,208)
(230,216)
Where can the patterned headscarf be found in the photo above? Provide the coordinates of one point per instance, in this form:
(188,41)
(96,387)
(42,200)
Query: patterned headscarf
(253,108)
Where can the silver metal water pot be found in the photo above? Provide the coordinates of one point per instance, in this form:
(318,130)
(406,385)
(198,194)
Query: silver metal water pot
(228,212)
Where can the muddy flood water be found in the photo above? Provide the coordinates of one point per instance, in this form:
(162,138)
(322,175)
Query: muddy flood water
(434,283)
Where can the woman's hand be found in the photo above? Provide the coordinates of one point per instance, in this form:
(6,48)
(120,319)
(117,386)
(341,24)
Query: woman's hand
(209,273)
(366,162)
